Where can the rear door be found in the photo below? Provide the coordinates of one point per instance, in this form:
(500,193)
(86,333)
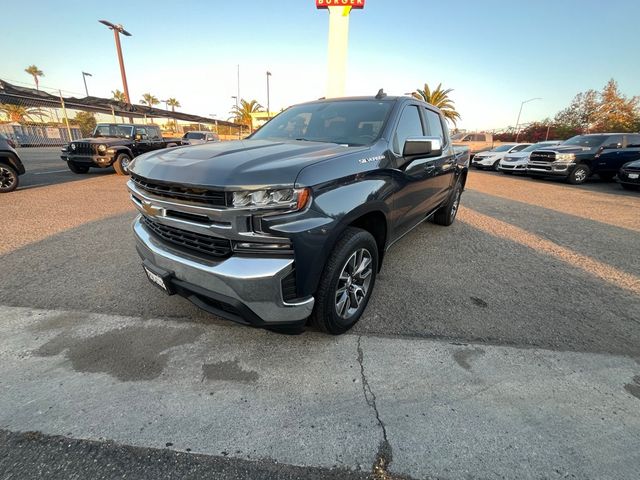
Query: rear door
(611,157)
(631,150)
(442,167)
(418,184)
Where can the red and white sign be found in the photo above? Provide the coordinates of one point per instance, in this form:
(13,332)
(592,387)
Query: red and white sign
(340,3)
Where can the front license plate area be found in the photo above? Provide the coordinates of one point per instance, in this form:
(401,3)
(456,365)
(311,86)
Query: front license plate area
(158,277)
(634,176)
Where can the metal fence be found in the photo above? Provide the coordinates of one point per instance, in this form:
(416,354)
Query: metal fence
(46,117)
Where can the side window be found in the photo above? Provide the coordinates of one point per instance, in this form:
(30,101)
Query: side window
(633,141)
(435,125)
(410,125)
(614,141)
(143,132)
(479,137)
(155,133)
(517,148)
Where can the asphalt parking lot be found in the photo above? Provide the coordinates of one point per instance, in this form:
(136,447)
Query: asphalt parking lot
(508,342)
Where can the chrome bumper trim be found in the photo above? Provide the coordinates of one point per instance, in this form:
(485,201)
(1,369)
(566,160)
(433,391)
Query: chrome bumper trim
(254,281)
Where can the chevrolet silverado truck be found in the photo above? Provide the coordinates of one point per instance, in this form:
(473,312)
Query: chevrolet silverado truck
(295,221)
(114,145)
(585,155)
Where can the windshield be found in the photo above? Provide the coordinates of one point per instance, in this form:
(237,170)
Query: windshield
(120,131)
(503,148)
(585,141)
(349,122)
(194,136)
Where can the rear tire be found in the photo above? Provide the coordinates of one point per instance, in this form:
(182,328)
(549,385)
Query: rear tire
(447,213)
(8,179)
(121,165)
(579,175)
(75,168)
(346,282)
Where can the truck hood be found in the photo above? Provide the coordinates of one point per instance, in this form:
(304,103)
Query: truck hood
(569,149)
(103,140)
(237,164)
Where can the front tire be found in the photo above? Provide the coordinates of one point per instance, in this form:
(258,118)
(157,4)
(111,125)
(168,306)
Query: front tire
(346,282)
(8,179)
(447,213)
(121,165)
(496,166)
(579,175)
(75,168)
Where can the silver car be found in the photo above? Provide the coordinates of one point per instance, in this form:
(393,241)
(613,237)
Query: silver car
(197,137)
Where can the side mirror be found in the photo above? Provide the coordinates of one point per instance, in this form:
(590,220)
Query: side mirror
(138,137)
(422,147)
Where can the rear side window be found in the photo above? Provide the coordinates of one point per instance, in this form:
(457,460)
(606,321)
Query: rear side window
(633,141)
(410,125)
(434,124)
(614,141)
(478,137)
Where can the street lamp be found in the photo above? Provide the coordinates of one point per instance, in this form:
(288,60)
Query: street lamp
(117,30)
(268,103)
(84,79)
(520,112)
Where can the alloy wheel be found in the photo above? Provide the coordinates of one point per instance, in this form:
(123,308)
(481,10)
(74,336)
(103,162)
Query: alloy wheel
(7,178)
(353,283)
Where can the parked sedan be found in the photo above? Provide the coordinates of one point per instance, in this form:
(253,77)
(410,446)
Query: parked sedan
(491,159)
(10,165)
(197,137)
(516,162)
(629,175)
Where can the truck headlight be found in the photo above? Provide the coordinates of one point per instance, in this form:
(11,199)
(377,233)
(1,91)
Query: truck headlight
(293,198)
(565,157)
(102,148)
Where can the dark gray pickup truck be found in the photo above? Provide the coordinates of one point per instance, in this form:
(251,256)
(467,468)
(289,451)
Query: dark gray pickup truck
(294,221)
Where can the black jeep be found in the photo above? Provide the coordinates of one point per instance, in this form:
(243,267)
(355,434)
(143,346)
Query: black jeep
(114,144)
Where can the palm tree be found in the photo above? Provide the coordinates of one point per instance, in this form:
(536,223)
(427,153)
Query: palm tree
(119,96)
(173,103)
(242,113)
(35,72)
(439,98)
(18,113)
(149,99)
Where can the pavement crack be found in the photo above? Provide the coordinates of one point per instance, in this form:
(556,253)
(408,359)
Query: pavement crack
(384,456)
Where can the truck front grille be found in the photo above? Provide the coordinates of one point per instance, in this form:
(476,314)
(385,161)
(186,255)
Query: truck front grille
(214,246)
(82,148)
(542,156)
(197,195)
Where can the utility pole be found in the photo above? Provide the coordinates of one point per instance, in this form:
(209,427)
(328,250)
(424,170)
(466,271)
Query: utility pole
(268,103)
(84,79)
(520,112)
(117,30)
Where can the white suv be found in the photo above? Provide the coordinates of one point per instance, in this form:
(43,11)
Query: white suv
(490,159)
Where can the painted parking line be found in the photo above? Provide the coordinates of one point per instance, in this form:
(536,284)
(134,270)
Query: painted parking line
(51,171)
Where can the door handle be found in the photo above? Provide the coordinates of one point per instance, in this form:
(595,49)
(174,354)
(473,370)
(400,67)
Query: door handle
(429,167)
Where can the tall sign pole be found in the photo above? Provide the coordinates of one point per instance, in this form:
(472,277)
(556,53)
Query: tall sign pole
(339,11)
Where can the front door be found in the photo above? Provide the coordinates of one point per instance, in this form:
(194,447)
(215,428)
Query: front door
(611,156)
(142,142)
(416,177)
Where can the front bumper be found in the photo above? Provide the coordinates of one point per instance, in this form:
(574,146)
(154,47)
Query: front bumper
(624,177)
(512,167)
(483,162)
(245,289)
(550,169)
(100,161)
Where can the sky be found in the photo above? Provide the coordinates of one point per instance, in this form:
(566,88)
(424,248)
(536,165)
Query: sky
(493,54)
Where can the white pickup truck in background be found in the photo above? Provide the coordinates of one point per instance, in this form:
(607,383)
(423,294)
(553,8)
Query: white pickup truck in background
(477,142)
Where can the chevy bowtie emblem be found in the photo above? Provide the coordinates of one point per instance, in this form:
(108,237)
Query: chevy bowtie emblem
(150,209)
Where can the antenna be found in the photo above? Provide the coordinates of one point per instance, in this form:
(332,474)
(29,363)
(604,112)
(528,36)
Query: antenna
(380,94)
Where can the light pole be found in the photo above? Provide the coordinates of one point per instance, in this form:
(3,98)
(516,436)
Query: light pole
(268,103)
(117,30)
(215,120)
(520,112)
(84,79)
